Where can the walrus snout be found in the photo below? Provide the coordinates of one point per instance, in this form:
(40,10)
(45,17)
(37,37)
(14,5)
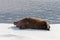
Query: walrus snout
(48,28)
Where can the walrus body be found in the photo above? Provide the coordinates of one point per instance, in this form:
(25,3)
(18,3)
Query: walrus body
(32,23)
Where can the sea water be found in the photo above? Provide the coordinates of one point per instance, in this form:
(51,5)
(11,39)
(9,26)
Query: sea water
(13,10)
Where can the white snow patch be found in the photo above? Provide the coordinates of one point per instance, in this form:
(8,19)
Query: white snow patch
(10,32)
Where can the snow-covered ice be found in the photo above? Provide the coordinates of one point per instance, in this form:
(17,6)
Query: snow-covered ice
(10,32)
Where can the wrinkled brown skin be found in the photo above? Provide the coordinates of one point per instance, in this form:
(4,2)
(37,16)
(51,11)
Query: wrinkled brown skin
(32,23)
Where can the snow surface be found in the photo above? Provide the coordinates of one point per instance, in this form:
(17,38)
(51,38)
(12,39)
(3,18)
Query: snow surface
(10,32)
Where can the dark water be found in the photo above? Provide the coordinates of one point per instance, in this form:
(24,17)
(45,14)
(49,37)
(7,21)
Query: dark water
(46,9)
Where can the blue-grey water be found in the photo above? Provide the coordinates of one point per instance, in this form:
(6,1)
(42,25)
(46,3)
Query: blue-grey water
(13,10)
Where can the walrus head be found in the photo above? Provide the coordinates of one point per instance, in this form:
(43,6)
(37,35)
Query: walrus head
(46,25)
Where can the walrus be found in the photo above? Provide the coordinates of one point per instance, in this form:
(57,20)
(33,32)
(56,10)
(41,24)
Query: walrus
(32,23)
